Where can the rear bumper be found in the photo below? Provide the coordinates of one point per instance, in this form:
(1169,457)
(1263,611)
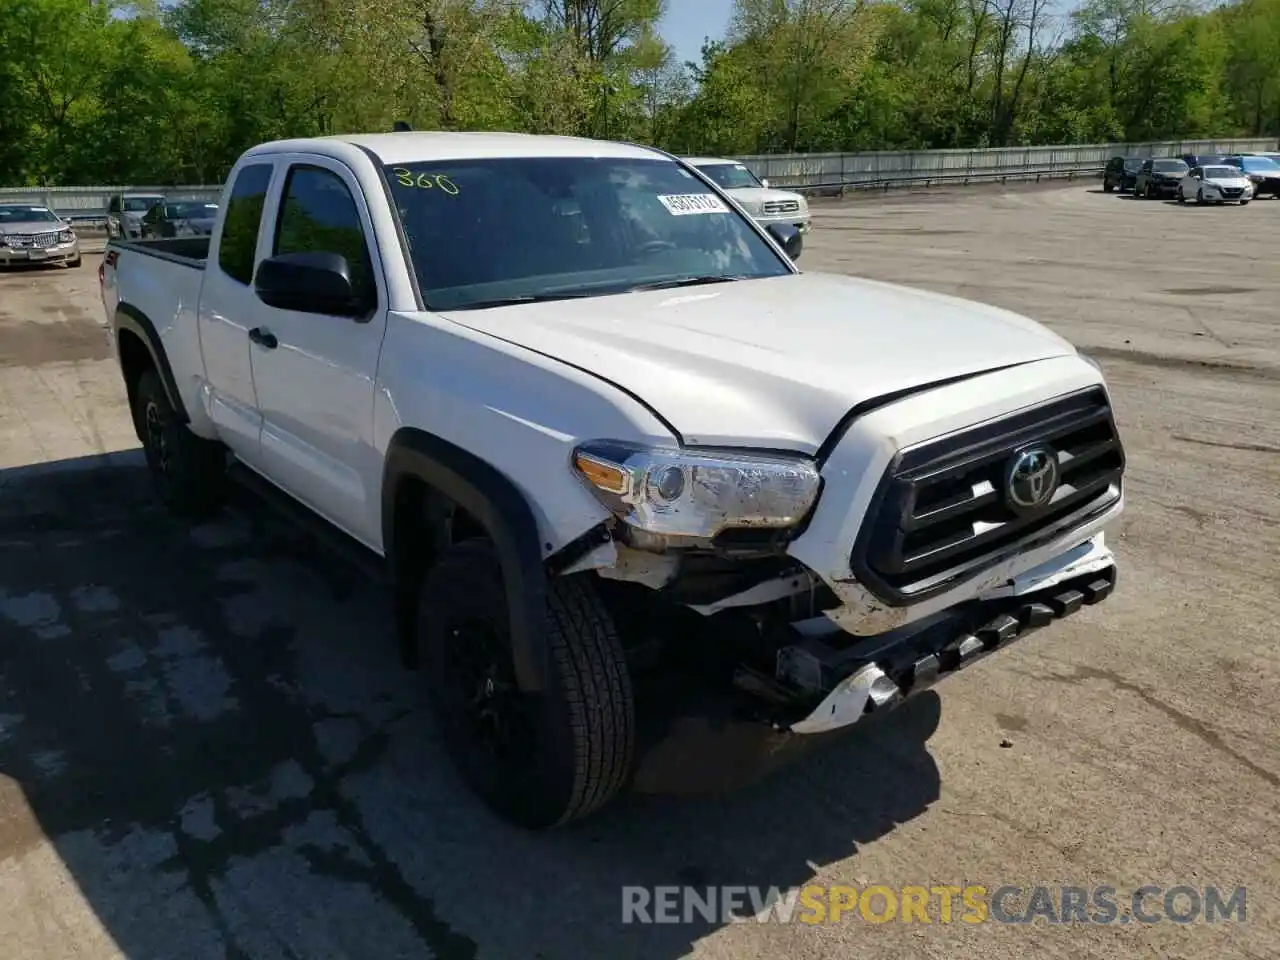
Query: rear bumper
(857,676)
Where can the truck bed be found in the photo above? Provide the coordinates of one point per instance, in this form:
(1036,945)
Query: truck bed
(187,251)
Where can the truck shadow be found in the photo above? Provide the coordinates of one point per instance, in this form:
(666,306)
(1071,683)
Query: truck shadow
(211,729)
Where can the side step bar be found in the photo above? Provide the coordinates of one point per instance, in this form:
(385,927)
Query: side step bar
(346,548)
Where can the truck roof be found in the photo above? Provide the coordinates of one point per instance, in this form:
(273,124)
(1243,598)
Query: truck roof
(415,147)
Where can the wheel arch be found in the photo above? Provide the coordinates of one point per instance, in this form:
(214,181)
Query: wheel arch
(451,477)
(138,347)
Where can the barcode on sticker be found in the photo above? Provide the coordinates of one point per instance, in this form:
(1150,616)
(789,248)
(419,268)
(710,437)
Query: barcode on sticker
(683,204)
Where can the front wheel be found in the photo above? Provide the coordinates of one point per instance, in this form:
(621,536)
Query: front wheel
(538,760)
(1200,196)
(1180,196)
(1108,187)
(188,472)
(1244,203)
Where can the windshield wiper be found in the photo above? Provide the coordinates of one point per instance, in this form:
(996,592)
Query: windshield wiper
(684,282)
(526,298)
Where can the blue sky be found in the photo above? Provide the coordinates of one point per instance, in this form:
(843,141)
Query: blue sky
(689,21)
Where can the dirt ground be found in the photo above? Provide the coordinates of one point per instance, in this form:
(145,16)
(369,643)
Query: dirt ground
(208,750)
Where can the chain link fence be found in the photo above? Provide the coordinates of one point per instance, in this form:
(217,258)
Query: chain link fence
(818,173)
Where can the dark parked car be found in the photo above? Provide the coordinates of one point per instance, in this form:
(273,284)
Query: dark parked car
(1264,172)
(1122,173)
(180,218)
(1159,178)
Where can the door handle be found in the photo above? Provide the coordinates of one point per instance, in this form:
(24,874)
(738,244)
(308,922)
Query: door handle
(264,338)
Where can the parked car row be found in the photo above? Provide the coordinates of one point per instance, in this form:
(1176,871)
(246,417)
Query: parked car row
(1196,177)
(142,216)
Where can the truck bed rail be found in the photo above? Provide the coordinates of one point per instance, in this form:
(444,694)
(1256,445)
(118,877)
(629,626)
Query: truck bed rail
(186,251)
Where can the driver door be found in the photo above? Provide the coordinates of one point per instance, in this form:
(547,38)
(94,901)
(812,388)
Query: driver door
(314,374)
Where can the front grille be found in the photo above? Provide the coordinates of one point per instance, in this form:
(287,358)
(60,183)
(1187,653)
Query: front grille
(24,240)
(941,511)
(782,206)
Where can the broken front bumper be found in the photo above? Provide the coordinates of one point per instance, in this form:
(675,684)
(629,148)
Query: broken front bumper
(851,677)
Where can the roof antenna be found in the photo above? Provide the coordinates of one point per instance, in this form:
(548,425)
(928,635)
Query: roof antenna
(402,126)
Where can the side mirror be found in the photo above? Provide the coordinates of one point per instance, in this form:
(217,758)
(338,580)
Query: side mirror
(764,182)
(310,282)
(788,237)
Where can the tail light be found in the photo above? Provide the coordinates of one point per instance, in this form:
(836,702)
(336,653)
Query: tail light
(108,260)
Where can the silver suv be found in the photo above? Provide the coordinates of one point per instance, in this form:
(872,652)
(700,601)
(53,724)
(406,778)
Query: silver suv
(125,212)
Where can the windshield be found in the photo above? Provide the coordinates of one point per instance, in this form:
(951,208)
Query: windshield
(21,213)
(140,204)
(191,211)
(1260,165)
(482,231)
(730,176)
(1169,166)
(1221,173)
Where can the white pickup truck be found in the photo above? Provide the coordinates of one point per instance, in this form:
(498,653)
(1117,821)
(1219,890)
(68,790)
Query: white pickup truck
(576,399)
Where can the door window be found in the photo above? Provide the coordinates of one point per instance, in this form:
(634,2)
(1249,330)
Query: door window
(240,223)
(319,215)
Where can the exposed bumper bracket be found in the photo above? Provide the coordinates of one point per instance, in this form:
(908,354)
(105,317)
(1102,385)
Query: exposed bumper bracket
(874,674)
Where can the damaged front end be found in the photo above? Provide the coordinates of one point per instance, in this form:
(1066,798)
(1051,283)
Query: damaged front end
(827,589)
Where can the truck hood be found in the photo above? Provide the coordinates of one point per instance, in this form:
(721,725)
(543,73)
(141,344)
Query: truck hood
(772,363)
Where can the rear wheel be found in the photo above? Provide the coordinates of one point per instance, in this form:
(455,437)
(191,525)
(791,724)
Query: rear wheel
(189,472)
(538,760)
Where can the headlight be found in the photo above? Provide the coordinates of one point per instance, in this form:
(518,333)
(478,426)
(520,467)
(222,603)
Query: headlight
(66,236)
(697,494)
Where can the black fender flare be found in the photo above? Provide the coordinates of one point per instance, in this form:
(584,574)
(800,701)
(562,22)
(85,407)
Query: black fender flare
(501,509)
(128,317)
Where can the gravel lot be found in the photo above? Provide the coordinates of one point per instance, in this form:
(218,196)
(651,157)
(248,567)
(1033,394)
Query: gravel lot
(207,749)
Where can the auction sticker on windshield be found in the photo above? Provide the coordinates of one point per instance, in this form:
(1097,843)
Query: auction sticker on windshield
(684,204)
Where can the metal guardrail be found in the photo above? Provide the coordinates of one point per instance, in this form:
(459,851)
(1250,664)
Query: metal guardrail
(839,172)
(811,172)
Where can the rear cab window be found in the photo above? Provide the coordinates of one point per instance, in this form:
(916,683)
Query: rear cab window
(239,241)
